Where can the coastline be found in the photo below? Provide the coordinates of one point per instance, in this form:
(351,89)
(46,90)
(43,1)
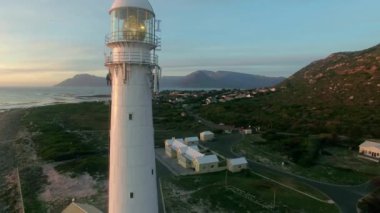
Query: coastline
(23,97)
(9,128)
(15,151)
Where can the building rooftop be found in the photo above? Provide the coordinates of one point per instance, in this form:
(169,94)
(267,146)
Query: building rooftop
(192,154)
(80,207)
(175,143)
(371,143)
(207,132)
(207,159)
(238,161)
(192,139)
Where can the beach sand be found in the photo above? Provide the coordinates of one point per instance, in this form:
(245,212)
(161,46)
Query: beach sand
(9,126)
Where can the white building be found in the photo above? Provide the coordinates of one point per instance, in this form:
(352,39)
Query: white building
(206,163)
(187,156)
(207,136)
(191,141)
(237,164)
(80,208)
(371,149)
(247,131)
(190,157)
(172,146)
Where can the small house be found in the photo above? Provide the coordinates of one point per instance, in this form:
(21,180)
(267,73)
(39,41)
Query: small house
(207,136)
(247,131)
(206,163)
(172,145)
(80,208)
(370,149)
(237,164)
(187,155)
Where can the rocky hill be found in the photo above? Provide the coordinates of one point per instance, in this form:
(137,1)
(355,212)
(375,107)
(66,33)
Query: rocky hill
(339,94)
(350,78)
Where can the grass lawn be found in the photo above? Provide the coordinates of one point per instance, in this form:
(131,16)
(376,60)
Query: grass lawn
(246,192)
(339,166)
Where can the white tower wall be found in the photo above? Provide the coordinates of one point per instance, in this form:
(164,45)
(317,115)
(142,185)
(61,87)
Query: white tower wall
(132,161)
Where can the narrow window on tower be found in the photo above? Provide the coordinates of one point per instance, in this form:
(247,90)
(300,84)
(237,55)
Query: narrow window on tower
(152,172)
(130,116)
(131,195)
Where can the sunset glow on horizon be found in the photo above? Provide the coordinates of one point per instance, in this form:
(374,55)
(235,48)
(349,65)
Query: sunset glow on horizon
(45,42)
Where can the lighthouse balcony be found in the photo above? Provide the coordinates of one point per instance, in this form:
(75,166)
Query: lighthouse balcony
(118,37)
(132,58)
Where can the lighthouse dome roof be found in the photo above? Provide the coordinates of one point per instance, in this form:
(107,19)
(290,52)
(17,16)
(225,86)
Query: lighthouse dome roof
(142,4)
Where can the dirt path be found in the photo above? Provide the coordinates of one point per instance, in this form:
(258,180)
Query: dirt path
(9,126)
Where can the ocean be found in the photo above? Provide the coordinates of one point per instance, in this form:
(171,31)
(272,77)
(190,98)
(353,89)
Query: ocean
(26,97)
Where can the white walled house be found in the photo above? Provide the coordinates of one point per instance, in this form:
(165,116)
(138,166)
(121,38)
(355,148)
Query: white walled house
(247,131)
(187,155)
(191,141)
(172,145)
(207,163)
(371,149)
(80,208)
(207,136)
(237,164)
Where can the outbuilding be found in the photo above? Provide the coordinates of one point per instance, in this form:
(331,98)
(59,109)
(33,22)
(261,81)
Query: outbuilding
(206,163)
(237,164)
(172,145)
(187,156)
(370,149)
(207,136)
(247,131)
(80,208)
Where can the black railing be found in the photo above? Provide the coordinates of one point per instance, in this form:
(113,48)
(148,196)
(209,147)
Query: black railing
(132,58)
(133,36)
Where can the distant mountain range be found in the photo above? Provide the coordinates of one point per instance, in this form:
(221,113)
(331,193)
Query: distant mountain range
(83,80)
(198,79)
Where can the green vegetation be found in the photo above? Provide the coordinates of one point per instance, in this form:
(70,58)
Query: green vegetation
(316,119)
(168,123)
(321,162)
(336,95)
(246,192)
(274,112)
(74,134)
(32,181)
(77,135)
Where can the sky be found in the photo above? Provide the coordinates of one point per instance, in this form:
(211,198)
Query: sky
(46,41)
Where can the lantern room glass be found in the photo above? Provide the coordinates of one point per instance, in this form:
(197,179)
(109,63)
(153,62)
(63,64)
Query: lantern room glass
(132,24)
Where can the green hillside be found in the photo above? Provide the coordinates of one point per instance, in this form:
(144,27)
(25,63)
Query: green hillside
(339,94)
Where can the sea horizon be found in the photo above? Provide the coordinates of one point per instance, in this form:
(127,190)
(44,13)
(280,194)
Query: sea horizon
(20,97)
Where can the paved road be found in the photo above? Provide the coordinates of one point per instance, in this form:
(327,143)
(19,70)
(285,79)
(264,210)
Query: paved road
(345,197)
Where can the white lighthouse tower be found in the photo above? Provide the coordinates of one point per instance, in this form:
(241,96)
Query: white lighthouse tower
(133,72)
